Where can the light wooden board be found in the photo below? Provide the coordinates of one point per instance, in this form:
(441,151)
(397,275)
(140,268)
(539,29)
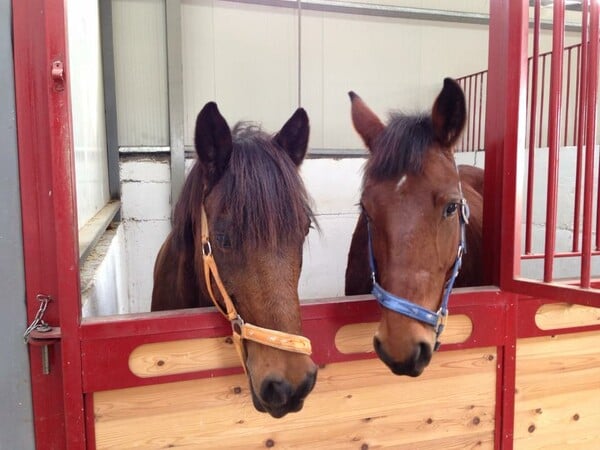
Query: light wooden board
(357,403)
(183,356)
(557,404)
(358,338)
(555,316)
(192,355)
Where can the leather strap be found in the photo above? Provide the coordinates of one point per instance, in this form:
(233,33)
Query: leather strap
(241,330)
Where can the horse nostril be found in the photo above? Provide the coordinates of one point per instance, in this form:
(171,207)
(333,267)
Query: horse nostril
(376,344)
(422,355)
(275,392)
(307,385)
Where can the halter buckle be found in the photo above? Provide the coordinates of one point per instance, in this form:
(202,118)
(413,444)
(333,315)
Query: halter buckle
(206,248)
(465,211)
(441,323)
(237,325)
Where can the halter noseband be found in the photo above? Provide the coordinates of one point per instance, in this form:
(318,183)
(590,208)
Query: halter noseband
(242,330)
(403,306)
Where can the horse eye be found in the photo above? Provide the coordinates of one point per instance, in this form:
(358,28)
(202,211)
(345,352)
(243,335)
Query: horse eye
(223,240)
(364,211)
(450,209)
(311,226)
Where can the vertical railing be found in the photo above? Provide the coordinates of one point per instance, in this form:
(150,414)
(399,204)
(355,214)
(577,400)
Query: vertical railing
(554,109)
(534,64)
(474,86)
(562,106)
(590,140)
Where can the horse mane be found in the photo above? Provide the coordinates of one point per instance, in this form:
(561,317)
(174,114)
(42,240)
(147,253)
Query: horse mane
(261,192)
(400,147)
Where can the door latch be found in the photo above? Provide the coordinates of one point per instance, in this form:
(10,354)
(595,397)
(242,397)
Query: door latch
(39,333)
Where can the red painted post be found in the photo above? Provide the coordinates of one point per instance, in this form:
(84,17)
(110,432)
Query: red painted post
(554,109)
(46,171)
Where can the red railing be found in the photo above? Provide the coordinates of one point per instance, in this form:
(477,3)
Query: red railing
(475,88)
(560,120)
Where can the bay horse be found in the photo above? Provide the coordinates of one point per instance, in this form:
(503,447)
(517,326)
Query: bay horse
(414,225)
(244,210)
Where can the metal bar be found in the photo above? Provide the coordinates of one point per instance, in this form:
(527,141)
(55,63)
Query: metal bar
(565,292)
(558,255)
(568,96)
(590,140)
(110,100)
(463,145)
(175,89)
(554,107)
(299,61)
(542,92)
(468,124)
(593,97)
(532,114)
(472,103)
(480,110)
(577,77)
(582,102)
(390,11)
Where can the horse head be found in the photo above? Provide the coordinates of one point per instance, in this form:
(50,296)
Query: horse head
(241,220)
(411,233)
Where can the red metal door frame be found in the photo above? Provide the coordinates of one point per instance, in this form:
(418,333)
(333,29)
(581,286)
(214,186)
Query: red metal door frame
(49,216)
(50,228)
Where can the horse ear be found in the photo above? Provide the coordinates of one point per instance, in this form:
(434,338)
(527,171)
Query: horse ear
(293,136)
(212,139)
(449,113)
(365,121)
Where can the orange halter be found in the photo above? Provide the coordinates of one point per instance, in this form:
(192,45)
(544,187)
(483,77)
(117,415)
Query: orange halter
(242,330)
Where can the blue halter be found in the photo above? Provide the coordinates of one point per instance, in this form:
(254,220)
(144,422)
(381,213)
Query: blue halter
(437,320)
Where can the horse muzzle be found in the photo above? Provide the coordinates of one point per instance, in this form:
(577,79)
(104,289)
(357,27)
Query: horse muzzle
(278,397)
(413,366)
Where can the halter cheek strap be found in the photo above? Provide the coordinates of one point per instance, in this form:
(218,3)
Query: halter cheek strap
(436,319)
(242,330)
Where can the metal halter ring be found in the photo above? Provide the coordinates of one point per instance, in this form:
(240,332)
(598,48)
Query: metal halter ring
(206,248)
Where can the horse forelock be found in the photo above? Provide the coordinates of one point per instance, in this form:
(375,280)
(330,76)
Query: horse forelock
(401,147)
(263,192)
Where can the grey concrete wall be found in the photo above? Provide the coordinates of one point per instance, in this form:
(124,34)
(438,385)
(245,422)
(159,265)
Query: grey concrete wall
(16,423)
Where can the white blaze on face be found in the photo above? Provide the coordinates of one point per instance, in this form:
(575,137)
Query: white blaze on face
(401,182)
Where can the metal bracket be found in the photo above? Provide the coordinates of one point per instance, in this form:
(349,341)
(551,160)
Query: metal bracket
(58,75)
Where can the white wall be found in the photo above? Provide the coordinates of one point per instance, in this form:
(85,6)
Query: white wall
(245,57)
(87,104)
(139,40)
(334,186)
(126,283)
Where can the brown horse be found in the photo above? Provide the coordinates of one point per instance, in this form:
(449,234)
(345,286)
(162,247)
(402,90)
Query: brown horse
(257,213)
(414,224)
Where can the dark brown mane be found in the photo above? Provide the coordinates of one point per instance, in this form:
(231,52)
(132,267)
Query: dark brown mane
(261,191)
(400,147)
